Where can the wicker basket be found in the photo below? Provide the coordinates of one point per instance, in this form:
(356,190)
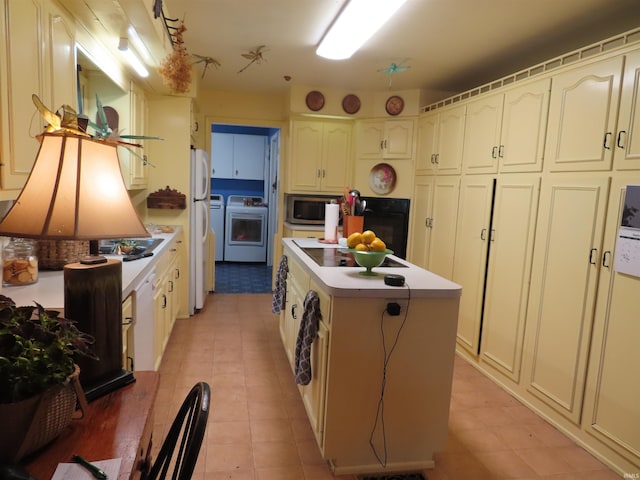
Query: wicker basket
(55,254)
(32,423)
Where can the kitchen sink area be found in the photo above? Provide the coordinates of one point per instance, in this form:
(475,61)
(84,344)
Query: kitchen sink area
(129,246)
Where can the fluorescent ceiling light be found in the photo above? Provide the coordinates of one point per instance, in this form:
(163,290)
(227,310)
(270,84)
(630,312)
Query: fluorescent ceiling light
(357,22)
(132,58)
(139,44)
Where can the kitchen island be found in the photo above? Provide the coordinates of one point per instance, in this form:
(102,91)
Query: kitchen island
(374,405)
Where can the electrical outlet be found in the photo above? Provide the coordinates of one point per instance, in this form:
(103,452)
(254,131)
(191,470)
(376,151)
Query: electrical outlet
(393,309)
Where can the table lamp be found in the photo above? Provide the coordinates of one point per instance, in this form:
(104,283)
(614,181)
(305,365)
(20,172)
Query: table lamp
(76,191)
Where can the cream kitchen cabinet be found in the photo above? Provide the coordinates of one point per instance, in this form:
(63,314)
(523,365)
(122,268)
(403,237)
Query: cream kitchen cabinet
(583,111)
(38,43)
(611,408)
(238,156)
(433,229)
(321,158)
(378,139)
(564,283)
(133,162)
(127,334)
(627,142)
(440,141)
(470,255)
(506,131)
(508,273)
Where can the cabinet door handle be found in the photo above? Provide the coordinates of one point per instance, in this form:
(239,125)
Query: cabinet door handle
(293,311)
(127,321)
(437,158)
(605,258)
(483,234)
(494,152)
(324,173)
(381,144)
(591,253)
(605,144)
(619,139)
(501,151)
(433,158)
(318,173)
(170,286)
(385,144)
(164,301)
(492,235)
(236,173)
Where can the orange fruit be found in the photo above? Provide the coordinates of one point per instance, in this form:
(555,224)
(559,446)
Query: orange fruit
(361,247)
(368,236)
(377,245)
(354,239)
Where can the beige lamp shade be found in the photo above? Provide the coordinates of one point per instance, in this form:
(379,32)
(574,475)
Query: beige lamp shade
(75,191)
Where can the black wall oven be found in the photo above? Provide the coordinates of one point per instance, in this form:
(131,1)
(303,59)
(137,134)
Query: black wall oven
(389,219)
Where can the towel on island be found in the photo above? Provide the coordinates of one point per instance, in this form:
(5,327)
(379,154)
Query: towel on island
(280,290)
(306,335)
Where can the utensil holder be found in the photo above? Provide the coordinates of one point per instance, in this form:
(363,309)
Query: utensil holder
(351,224)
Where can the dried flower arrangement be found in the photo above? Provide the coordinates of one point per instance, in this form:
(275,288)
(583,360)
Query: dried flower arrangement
(176,68)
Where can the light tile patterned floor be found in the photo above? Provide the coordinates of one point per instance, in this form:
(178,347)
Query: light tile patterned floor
(258,429)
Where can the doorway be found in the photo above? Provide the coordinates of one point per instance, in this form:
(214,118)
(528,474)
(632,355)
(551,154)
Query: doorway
(234,175)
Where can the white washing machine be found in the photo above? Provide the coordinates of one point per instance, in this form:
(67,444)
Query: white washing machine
(216,220)
(245,229)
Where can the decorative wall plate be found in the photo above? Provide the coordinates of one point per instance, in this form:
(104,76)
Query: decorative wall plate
(382,179)
(315,100)
(351,103)
(394,105)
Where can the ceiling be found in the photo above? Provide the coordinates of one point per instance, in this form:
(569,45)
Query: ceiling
(449,45)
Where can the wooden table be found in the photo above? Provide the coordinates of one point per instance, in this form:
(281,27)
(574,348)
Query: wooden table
(117,425)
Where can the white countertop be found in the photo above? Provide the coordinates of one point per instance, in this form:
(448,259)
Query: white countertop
(49,289)
(347,281)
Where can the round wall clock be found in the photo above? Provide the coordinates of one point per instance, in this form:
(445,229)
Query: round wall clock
(394,105)
(351,104)
(315,100)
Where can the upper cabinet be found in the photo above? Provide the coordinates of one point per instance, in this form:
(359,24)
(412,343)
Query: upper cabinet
(37,41)
(238,156)
(582,135)
(506,132)
(627,142)
(320,155)
(379,139)
(134,162)
(440,137)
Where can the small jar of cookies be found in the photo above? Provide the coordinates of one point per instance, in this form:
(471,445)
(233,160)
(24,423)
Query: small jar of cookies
(19,262)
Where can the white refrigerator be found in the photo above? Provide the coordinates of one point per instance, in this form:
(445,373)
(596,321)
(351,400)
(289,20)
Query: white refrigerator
(198,229)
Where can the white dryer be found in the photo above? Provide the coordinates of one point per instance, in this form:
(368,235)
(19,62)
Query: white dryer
(245,229)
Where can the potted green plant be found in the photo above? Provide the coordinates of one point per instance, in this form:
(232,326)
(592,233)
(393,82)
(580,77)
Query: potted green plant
(39,384)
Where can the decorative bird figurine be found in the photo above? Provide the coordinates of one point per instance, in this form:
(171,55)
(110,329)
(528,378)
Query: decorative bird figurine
(207,61)
(255,56)
(394,68)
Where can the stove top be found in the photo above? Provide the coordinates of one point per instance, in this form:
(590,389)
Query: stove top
(340,257)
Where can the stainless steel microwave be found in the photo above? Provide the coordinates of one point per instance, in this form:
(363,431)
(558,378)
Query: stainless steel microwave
(306,209)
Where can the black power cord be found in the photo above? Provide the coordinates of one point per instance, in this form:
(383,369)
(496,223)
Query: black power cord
(392,309)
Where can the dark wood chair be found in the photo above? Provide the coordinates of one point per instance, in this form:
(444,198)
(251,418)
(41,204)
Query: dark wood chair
(186,434)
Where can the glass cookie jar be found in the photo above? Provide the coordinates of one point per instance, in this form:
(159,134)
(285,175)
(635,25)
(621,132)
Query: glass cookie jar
(19,262)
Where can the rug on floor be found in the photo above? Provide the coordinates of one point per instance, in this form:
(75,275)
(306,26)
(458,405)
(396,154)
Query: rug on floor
(241,277)
(397,476)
